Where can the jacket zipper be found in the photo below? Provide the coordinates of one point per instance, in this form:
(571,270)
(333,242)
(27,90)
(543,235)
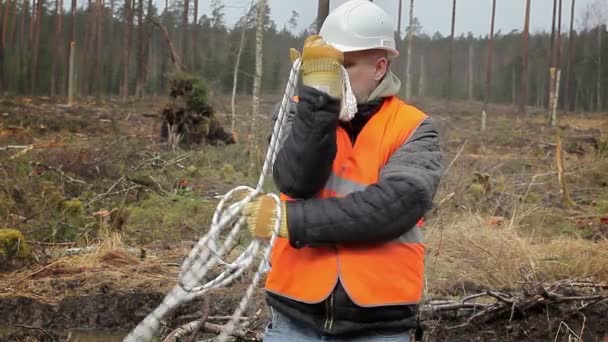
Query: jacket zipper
(329,318)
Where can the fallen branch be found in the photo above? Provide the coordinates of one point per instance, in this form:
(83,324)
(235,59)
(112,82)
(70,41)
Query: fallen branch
(202,320)
(100,196)
(35,328)
(61,173)
(188,328)
(506,304)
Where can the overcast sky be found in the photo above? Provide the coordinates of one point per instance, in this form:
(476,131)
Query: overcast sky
(434,15)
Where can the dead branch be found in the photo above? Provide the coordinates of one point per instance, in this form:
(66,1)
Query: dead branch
(100,196)
(559,161)
(202,320)
(13,147)
(506,304)
(177,62)
(58,171)
(242,334)
(35,328)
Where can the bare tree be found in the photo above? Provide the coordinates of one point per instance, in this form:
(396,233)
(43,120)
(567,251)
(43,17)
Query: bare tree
(6,14)
(421,80)
(322,13)
(410,38)
(524,68)
(600,30)
(488,90)
(399,15)
(140,49)
(470,70)
(195,32)
(450,61)
(100,5)
(5,20)
(237,64)
(127,48)
(57,42)
(184,32)
(569,58)
(257,79)
(36,46)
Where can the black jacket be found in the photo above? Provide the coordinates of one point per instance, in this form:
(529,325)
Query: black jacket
(392,206)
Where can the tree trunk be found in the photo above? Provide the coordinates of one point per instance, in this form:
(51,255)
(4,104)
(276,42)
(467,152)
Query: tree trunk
(184,33)
(111,29)
(72,39)
(147,39)
(421,81)
(408,67)
(399,15)
(471,71)
(257,79)
(448,91)
(140,49)
(24,46)
(553,32)
(100,4)
(57,43)
(36,47)
(195,33)
(600,30)
(7,15)
(567,104)
(127,49)
(175,59)
(322,13)
(558,38)
(488,90)
(235,76)
(524,70)
(2,45)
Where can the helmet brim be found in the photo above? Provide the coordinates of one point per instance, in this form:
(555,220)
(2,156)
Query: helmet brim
(392,53)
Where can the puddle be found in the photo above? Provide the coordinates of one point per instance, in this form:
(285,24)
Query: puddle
(76,334)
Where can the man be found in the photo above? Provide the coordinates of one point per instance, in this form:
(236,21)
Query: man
(348,262)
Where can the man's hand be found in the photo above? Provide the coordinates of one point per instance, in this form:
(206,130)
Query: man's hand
(261,217)
(321,66)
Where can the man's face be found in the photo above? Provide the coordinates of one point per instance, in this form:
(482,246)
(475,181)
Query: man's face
(365,70)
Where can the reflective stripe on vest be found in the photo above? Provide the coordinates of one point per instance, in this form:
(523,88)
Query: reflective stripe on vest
(342,186)
(391,273)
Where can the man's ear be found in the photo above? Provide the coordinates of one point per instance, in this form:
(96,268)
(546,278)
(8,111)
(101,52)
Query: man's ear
(381,68)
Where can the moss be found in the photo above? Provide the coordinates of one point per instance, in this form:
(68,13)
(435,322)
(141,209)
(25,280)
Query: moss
(227,172)
(13,245)
(477,190)
(602,207)
(532,197)
(602,147)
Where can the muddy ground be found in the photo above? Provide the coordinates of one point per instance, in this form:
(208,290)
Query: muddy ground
(96,175)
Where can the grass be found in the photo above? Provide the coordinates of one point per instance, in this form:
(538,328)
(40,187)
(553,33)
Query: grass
(472,251)
(137,193)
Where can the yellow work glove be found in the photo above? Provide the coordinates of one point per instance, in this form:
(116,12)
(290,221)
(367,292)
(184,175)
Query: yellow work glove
(261,217)
(321,66)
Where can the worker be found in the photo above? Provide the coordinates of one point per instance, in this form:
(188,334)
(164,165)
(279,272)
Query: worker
(348,262)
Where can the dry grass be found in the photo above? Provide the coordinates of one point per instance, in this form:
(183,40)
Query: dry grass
(471,251)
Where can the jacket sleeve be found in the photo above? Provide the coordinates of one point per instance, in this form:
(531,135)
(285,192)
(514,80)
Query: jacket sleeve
(382,211)
(307,145)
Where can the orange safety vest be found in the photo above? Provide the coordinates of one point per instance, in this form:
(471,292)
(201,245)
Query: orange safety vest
(374,275)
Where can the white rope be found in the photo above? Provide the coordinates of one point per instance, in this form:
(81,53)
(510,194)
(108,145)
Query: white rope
(207,254)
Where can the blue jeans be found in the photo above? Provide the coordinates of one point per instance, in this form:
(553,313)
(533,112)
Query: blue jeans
(284,329)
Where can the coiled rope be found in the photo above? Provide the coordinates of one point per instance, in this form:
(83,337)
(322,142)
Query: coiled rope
(209,253)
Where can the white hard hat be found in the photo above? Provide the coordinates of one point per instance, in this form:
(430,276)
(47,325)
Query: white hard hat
(358,25)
